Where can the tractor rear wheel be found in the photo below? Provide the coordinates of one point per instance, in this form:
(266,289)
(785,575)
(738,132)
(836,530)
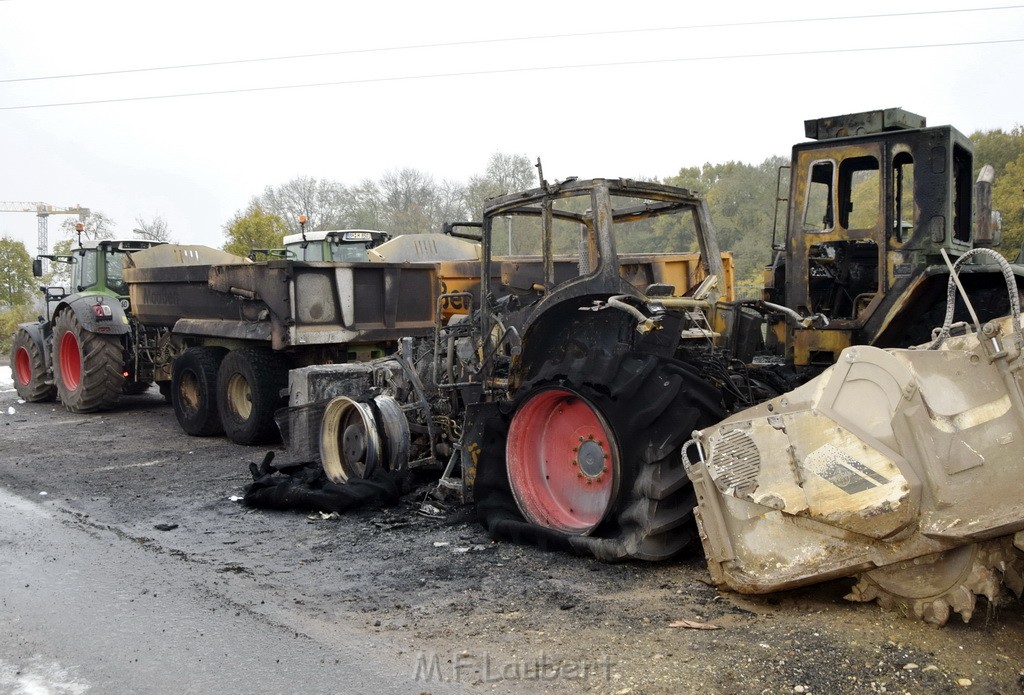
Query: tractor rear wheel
(249,384)
(88,367)
(29,369)
(194,390)
(592,455)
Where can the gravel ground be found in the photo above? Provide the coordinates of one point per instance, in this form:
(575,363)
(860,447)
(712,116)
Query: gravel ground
(452,605)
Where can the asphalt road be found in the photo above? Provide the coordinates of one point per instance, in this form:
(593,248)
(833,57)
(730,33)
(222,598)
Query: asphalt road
(136,572)
(84,611)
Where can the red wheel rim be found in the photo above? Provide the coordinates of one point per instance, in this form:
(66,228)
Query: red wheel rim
(23,366)
(70,361)
(562,462)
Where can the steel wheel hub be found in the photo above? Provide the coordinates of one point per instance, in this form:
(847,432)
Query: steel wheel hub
(70,361)
(240,396)
(23,366)
(562,461)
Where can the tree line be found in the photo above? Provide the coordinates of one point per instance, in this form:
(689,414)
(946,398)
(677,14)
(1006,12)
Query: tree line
(402,201)
(741,198)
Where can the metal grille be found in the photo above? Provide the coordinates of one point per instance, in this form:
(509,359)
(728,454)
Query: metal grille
(735,464)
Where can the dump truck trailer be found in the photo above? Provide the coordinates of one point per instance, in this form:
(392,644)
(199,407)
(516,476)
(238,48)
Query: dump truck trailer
(217,332)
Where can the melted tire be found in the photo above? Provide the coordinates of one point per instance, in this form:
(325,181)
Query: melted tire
(87,366)
(193,390)
(652,406)
(29,370)
(249,384)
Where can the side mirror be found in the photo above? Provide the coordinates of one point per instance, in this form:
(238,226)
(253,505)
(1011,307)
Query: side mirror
(37,268)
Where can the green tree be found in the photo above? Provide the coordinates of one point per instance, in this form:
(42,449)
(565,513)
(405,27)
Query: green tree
(1008,199)
(997,147)
(741,199)
(1005,152)
(254,228)
(9,320)
(16,279)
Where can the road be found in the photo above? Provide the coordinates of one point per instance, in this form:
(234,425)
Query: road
(136,572)
(85,611)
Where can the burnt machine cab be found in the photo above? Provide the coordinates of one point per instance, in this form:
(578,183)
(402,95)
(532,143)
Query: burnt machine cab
(874,198)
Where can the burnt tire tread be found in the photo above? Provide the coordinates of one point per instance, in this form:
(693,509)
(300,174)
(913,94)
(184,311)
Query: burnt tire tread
(102,364)
(37,390)
(652,404)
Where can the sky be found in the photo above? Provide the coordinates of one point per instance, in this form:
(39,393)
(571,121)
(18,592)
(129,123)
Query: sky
(594,89)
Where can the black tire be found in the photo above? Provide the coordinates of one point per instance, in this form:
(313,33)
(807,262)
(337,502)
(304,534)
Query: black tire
(88,367)
(28,367)
(194,390)
(249,384)
(651,405)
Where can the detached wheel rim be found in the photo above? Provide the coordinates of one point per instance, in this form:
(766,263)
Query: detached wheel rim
(350,445)
(23,366)
(70,361)
(239,396)
(562,462)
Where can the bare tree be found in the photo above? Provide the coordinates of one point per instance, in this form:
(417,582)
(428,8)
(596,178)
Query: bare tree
(408,196)
(505,173)
(322,201)
(97,226)
(365,206)
(155,230)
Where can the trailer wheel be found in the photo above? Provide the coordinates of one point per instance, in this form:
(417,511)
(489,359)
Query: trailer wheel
(87,366)
(592,455)
(29,369)
(249,384)
(194,390)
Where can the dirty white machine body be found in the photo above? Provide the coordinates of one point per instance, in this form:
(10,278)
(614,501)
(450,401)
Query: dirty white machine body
(903,467)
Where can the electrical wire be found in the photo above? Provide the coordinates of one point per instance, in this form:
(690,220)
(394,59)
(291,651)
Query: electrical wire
(508,71)
(514,39)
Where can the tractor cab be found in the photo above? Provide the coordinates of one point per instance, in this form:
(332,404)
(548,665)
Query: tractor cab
(875,198)
(340,245)
(96,266)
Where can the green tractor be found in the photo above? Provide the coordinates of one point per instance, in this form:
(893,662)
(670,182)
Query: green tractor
(80,351)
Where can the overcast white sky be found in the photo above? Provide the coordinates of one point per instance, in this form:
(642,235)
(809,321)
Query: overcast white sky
(648,102)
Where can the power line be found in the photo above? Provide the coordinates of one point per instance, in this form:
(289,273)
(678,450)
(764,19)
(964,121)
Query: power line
(539,37)
(506,71)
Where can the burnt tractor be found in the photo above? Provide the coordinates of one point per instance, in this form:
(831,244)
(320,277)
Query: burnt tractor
(560,405)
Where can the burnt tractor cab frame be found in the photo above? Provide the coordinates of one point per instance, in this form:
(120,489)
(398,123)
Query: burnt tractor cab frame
(874,200)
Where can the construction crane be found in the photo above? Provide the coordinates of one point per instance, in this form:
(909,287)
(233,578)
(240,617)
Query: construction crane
(43,212)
